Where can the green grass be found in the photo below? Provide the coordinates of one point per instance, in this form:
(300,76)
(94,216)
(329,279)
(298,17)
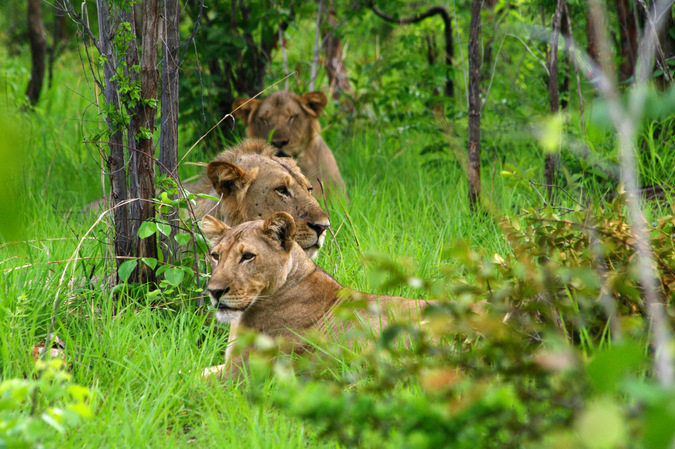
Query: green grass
(144,361)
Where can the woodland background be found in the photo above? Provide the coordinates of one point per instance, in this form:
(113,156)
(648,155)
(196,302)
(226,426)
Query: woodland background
(512,156)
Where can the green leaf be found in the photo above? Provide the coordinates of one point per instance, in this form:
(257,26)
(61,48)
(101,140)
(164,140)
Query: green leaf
(182,239)
(146,229)
(602,425)
(659,422)
(125,270)
(610,366)
(174,275)
(150,261)
(207,196)
(164,228)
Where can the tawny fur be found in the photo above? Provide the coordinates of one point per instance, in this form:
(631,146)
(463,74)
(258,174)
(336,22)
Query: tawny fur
(248,177)
(292,122)
(263,280)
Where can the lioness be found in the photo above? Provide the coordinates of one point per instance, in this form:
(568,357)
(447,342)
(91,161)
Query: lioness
(292,121)
(253,184)
(261,279)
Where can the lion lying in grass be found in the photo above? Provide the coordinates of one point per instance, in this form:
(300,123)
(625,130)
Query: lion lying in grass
(262,280)
(292,121)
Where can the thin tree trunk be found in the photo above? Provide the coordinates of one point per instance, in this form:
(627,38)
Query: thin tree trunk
(449,49)
(317,48)
(38,49)
(473,171)
(58,36)
(335,67)
(665,50)
(115,164)
(168,149)
(284,56)
(133,76)
(567,36)
(145,162)
(592,36)
(628,35)
(432,53)
(553,92)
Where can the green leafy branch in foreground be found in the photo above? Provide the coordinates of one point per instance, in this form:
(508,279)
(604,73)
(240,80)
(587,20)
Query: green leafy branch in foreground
(544,347)
(190,243)
(35,412)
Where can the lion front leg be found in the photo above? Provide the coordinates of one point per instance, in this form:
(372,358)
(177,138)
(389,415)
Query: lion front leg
(223,371)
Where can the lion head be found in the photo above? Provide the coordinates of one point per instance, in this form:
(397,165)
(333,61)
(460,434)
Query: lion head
(252,184)
(250,261)
(290,119)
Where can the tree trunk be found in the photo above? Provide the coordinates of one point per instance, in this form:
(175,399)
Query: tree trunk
(473,171)
(168,149)
(38,49)
(133,75)
(553,92)
(115,164)
(317,47)
(565,32)
(628,36)
(666,49)
(335,68)
(145,162)
(592,35)
(58,36)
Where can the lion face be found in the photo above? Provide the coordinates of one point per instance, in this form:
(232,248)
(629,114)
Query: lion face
(253,185)
(289,119)
(249,262)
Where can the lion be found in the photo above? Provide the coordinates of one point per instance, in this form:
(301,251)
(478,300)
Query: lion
(263,280)
(292,121)
(252,184)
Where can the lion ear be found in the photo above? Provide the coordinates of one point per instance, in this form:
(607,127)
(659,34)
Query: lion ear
(228,178)
(214,229)
(244,107)
(314,103)
(280,227)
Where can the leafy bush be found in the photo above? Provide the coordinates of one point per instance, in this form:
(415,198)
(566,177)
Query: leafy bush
(523,355)
(33,413)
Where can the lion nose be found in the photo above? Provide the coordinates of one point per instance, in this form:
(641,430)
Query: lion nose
(216,293)
(280,143)
(318,228)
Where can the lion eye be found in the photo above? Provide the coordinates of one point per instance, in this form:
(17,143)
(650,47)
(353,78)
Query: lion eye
(283,190)
(215,256)
(309,189)
(247,256)
(264,121)
(291,118)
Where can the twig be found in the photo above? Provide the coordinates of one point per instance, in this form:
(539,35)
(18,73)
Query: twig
(317,48)
(556,187)
(543,64)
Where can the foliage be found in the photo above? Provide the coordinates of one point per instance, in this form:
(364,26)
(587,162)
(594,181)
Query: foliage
(34,412)
(232,51)
(517,351)
(185,259)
